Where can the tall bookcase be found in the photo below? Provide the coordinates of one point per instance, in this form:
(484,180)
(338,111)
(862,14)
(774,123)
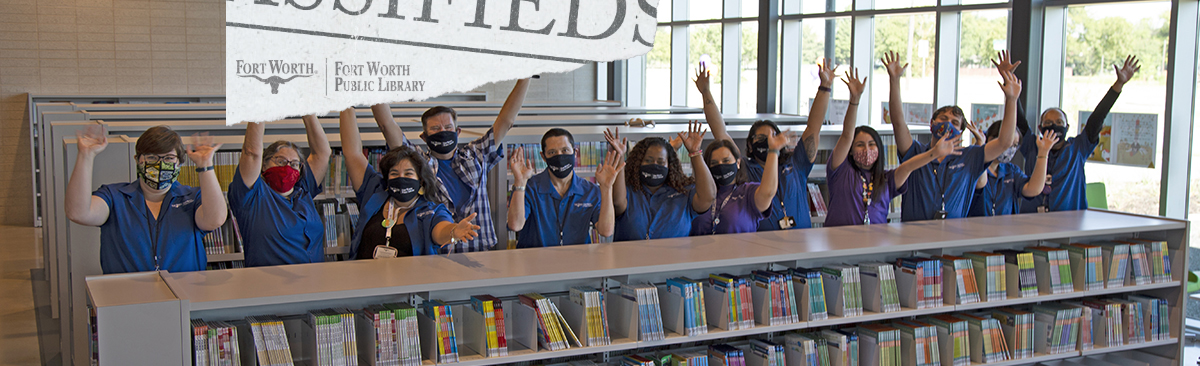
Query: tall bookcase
(143,318)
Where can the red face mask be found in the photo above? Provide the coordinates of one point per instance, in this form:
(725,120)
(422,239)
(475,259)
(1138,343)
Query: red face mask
(281,178)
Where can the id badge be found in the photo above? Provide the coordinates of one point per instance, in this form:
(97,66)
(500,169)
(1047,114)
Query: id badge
(939,215)
(1043,209)
(384,251)
(787,222)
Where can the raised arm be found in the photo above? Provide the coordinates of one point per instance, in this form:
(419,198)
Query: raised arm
(392,133)
(1037,178)
(508,113)
(1004,64)
(842,149)
(356,162)
(706,188)
(942,148)
(607,175)
(82,207)
(618,145)
(977,138)
(712,112)
(891,61)
(464,230)
(816,112)
(318,148)
(250,164)
(213,210)
(1008,126)
(765,193)
(521,170)
(1096,121)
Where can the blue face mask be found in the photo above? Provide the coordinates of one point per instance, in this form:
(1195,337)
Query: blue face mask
(943,128)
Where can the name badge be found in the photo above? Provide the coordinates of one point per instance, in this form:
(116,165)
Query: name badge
(384,251)
(939,215)
(787,222)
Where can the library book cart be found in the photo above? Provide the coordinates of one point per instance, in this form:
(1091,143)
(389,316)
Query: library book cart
(145,318)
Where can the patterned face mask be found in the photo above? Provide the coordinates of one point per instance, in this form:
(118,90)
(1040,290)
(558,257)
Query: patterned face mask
(158,175)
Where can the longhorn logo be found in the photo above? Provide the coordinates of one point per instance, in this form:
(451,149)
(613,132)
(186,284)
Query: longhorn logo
(274,81)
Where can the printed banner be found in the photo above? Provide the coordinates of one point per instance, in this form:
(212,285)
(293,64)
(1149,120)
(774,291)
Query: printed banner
(294,57)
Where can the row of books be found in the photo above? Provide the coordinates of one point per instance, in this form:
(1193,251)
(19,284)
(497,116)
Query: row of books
(226,239)
(691,293)
(445,348)
(880,293)
(271,346)
(843,289)
(649,311)
(337,181)
(919,281)
(215,343)
(492,310)
(588,154)
(339,217)
(733,295)
(554,333)
(391,335)
(224,164)
(333,340)
(780,293)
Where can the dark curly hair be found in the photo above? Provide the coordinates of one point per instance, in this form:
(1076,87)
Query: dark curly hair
(742,176)
(428,180)
(675,177)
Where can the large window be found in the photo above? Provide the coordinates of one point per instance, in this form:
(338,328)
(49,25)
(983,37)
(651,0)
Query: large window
(658,69)
(704,46)
(913,37)
(983,34)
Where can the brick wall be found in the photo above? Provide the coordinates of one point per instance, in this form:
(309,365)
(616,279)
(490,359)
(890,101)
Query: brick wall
(131,47)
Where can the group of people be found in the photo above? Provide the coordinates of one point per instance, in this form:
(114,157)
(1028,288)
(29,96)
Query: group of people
(434,200)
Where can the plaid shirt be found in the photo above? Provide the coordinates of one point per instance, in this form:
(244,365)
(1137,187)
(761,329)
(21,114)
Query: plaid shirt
(471,164)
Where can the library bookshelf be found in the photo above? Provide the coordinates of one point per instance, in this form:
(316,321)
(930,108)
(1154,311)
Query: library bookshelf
(144,318)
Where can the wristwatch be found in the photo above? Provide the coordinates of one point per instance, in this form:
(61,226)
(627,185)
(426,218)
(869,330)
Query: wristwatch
(204,169)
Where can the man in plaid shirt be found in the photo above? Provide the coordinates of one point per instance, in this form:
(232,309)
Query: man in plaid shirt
(462,170)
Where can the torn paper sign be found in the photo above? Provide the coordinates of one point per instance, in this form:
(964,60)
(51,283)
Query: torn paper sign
(294,57)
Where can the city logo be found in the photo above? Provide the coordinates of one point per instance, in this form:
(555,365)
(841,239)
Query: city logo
(274,68)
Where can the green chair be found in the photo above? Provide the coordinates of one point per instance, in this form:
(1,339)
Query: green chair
(1096,195)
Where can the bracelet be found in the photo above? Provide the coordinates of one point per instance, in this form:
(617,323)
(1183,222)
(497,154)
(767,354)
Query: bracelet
(825,89)
(205,169)
(697,153)
(776,151)
(853,103)
(1042,156)
(518,188)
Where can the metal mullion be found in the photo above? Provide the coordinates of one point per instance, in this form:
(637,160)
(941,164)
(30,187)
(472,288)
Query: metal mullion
(1180,109)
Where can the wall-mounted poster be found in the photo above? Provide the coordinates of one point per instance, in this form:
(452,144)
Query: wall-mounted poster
(914,113)
(1126,139)
(986,114)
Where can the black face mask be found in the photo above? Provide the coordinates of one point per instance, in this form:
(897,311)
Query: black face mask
(724,174)
(1059,129)
(653,175)
(442,142)
(561,165)
(758,149)
(403,189)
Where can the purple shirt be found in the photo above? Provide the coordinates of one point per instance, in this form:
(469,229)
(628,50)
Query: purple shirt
(736,210)
(846,196)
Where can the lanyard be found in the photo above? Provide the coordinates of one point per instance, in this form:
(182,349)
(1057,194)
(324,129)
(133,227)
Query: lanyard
(717,212)
(646,208)
(868,189)
(393,214)
(162,210)
(563,221)
(942,181)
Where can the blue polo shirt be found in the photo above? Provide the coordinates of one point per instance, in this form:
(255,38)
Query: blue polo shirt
(459,192)
(552,219)
(791,198)
(667,213)
(1002,195)
(277,230)
(420,220)
(951,181)
(1068,183)
(131,237)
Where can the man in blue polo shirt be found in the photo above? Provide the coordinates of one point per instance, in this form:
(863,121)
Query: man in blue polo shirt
(557,207)
(943,189)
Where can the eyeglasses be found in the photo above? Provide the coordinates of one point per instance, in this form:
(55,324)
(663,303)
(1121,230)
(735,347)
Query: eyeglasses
(168,158)
(281,161)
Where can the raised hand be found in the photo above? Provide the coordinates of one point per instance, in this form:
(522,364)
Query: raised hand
(521,168)
(781,140)
(606,174)
(826,73)
(464,230)
(693,137)
(702,79)
(1046,142)
(93,140)
(891,61)
(855,85)
(201,149)
(973,126)
(1124,73)
(615,142)
(1011,85)
(946,147)
(1005,63)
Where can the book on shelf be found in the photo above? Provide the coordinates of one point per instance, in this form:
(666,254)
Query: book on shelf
(1158,257)
(1087,266)
(490,310)
(918,342)
(588,155)
(330,338)
(595,315)
(879,345)
(1056,328)
(806,349)
(1020,274)
(635,360)
(215,343)
(842,346)
(990,268)
(1087,334)
(843,289)
(1156,317)
(1053,267)
(986,338)
(1017,326)
(339,219)
(388,335)
(687,300)
(919,282)
(816,201)
(725,355)
(554,333)
(1107,323)
(270,340)
(958,276)
(1116,263)
(644,299)
(809,288)
(688,358)
(764,353)
(879,290)
(445,339)
(730,296)
(953,339)
(774,289)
